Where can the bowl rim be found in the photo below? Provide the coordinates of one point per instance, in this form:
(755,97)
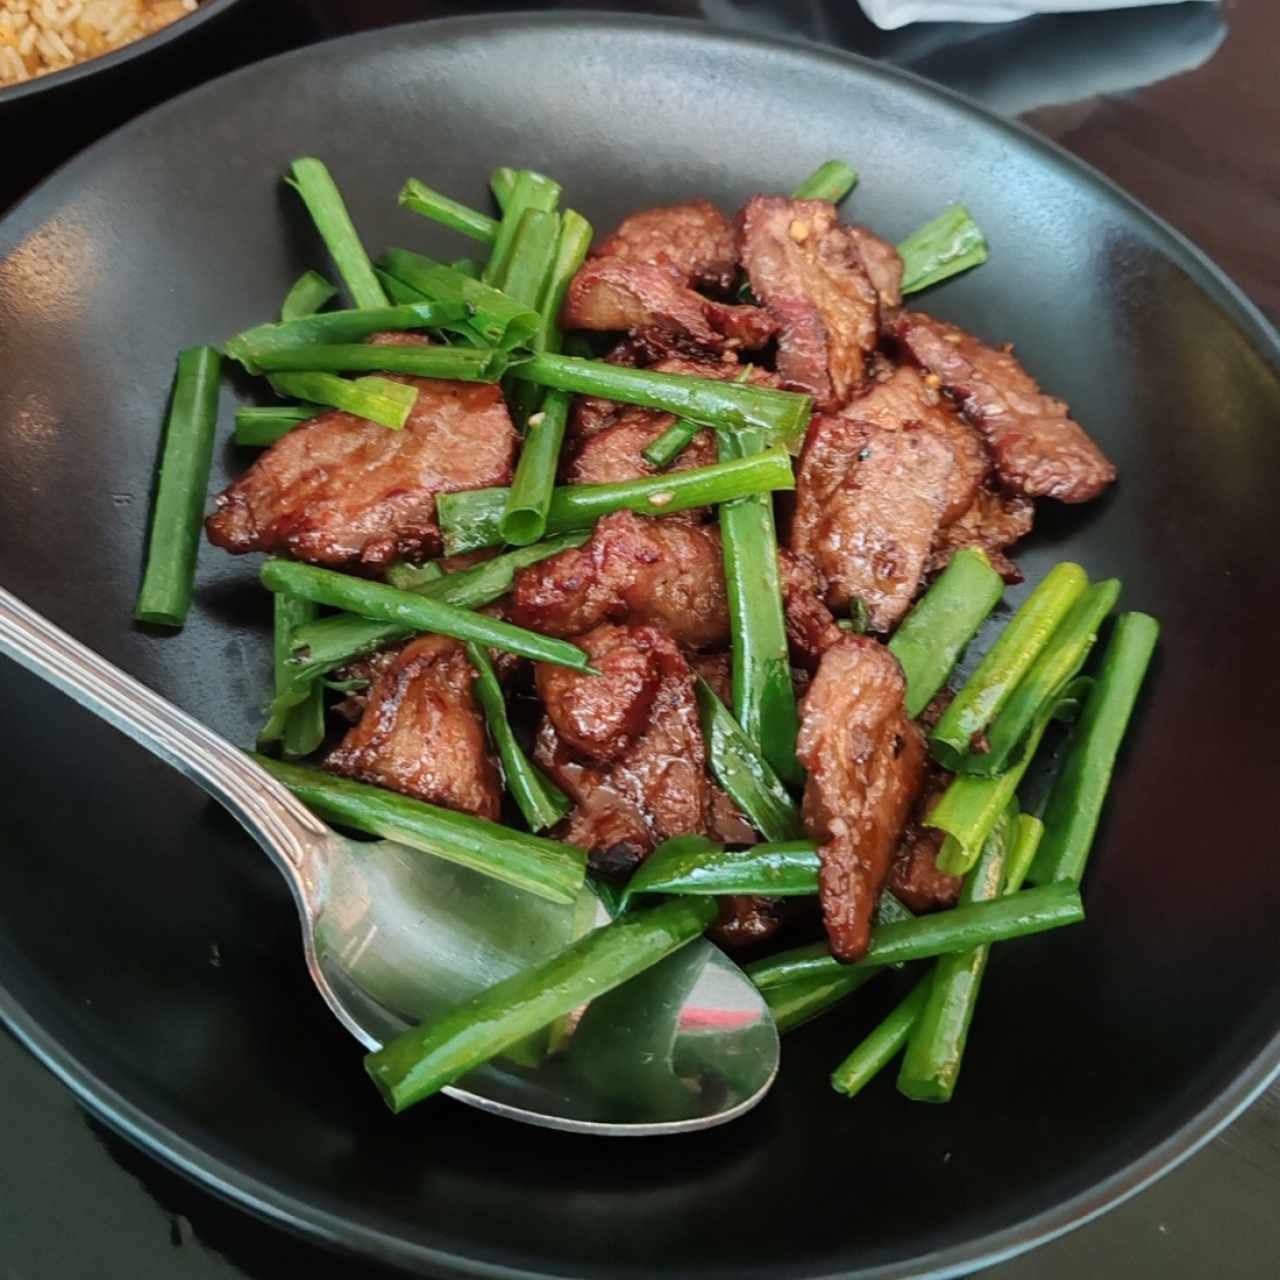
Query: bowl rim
(206,10)
(324,1219)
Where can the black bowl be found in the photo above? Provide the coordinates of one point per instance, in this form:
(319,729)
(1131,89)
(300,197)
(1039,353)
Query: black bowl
(47,84)
(149,954)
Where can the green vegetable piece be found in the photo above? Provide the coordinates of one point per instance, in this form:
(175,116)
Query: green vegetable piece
(943,248)
(422,199)
(731,406)
(930,639)
(832,180)
(764,700)
(541,802)
(740,769)
(694,864)
(332,327)
(377,399)
(1033,911)
(309,293)
(1049,675)
(472,519)
(422,1061)
(381,603)
(178,509)
(547,868)
(986,691)
(1075,803)
(313,182)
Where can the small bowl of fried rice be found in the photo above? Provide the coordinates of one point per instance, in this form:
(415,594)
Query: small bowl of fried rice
(47,42)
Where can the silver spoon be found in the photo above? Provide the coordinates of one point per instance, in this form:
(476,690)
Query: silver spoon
(394,936)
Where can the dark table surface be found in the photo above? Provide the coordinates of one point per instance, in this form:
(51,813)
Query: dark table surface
(1179,104)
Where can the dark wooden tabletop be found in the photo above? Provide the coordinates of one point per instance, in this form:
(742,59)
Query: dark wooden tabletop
(1179,104)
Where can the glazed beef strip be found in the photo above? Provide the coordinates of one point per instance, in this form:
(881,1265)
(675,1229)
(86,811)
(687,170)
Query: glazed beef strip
(869,501)
(865,761)
(811,274)
(693,242)
(1039,450)
(626,746)
(914,877)
(633,569)
(811,628)
(421,732)
(996,519)
(616,452)
(876,488)
(342,491)
(617,294)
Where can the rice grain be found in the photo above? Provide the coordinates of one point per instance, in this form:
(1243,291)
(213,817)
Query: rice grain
(40,36)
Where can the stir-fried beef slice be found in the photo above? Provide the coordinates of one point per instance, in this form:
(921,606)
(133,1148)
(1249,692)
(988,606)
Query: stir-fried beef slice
(340,490)
(746,919)
(654,786)
(633,569)
(1038,449)
(811,275)
(727,822)
(904,398)
(421,732)
(600,717)
(865,761)
(615,294)
(914,878)
(883,266)
(868,504)
(995,520)
(368,669)
(811,629)
(694,242)
(616,452)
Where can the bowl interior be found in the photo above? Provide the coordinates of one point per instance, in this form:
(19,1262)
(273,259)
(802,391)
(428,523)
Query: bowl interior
(148,949)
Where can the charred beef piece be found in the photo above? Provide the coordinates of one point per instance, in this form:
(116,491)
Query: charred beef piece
(633,569)
(869,502)
(641,778)
(812,276)
(694,242)
(340,490)
(865,761)
(811,629)
(421,732)
(616,294)
(996,519)
(1039,450)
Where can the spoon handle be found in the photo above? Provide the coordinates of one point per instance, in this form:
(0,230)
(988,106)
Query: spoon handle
(280,822)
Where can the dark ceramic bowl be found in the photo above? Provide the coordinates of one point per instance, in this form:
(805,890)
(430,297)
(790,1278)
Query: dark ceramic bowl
(148,952)
(117,58)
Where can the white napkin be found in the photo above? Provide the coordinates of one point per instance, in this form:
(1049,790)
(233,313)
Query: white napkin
(888,14)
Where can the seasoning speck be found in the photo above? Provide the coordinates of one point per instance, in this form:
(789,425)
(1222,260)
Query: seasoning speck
(660,499)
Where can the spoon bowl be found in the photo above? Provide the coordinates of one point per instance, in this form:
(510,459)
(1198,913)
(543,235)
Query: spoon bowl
(395,936)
